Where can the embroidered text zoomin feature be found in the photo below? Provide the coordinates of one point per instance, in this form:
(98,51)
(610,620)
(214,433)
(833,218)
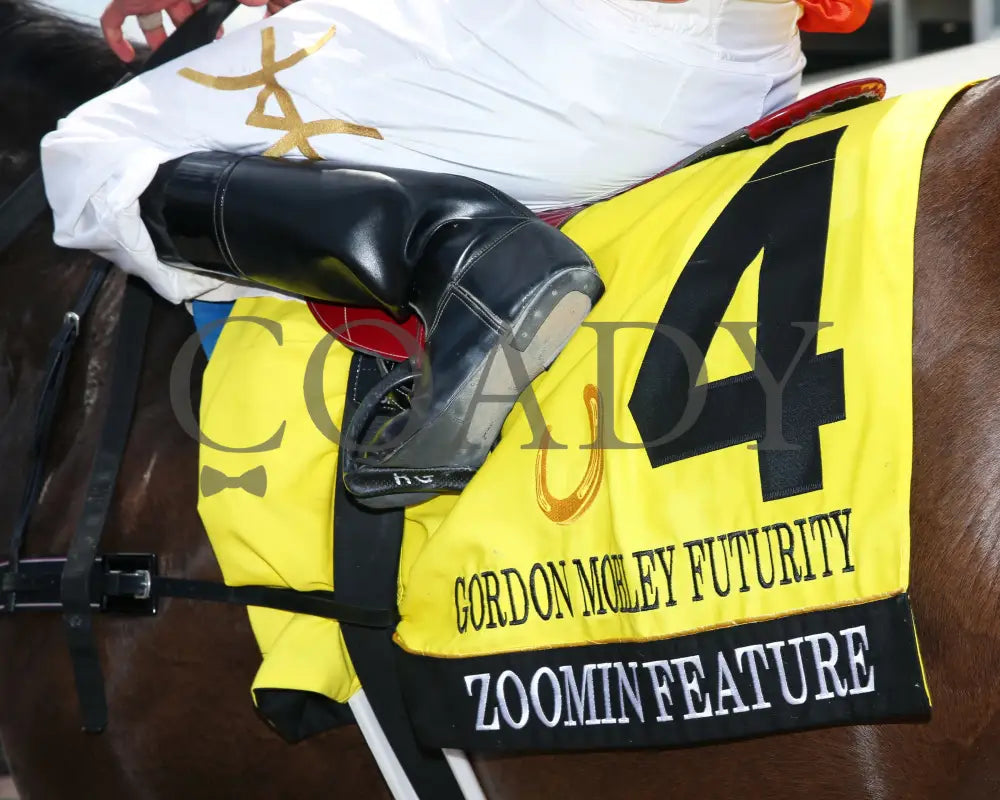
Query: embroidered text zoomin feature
(751,560)
(817,667)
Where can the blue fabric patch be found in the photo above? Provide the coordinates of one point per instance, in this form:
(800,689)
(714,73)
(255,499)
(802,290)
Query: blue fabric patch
(208,320)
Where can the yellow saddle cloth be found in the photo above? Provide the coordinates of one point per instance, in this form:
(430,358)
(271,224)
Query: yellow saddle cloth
(701,528)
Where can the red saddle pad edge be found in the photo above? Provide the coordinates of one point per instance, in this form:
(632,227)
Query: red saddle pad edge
(376,333)
(369,330)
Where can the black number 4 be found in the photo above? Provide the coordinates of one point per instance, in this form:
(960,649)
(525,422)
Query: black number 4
(783,210)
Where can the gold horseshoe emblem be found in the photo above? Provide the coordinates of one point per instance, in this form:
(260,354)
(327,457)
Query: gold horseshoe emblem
(564,510)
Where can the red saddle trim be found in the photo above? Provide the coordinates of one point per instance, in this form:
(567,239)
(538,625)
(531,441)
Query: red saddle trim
(376,333)
(369,330)
(835,98)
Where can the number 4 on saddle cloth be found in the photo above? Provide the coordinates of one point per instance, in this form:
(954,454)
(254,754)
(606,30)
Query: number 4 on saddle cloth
(375,333)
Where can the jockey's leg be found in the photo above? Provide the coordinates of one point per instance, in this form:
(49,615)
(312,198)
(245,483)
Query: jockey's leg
(499,291)
(555,103)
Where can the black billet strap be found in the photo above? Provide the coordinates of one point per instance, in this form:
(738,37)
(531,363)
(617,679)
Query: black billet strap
(316,604)
(130,348)
(37,584)
(60,351)
(366,567)
(28,202)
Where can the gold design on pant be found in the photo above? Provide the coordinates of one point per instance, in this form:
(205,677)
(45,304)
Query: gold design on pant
(298,131)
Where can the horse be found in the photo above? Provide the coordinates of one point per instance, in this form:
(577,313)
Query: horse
(181,722)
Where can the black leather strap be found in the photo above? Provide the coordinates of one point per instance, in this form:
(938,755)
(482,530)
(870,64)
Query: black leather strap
(366,567)
(60,351)
(17,213)
(28,202)
(317,604)
(129,352)
(38,583)
(22,208)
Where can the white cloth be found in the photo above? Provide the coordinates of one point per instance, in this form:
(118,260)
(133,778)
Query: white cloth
(554,102)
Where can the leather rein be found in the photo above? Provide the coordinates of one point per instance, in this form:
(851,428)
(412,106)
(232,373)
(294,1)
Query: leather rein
(128,583)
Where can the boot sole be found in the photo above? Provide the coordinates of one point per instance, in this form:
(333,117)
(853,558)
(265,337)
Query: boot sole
(561,313)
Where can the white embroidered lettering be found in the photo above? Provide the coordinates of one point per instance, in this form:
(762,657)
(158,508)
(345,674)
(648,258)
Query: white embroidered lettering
(729,690)
(630,689)
(750,651)
(659,674)
(481,723)
(692,691)
(505,677)
(856,657)
(536,701)
(826,666)
(579,695)
(775,648)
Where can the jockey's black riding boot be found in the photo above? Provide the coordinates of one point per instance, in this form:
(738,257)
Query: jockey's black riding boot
(499,291)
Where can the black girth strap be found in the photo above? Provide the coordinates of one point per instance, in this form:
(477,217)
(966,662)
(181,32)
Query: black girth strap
(319,604)
(28,203)
(366,566)
(104,474)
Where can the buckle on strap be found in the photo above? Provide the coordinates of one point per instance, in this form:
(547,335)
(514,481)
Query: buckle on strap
(130,583)
(120,583)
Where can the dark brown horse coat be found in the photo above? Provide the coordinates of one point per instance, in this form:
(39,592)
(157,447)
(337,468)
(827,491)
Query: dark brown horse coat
(181,721)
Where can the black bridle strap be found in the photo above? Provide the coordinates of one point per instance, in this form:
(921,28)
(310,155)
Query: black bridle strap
(76,580)
(28,202)
(22,208)
(58,358)
(77,617)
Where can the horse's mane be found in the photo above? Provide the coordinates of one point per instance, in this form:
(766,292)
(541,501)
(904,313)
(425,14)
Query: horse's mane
(49,64)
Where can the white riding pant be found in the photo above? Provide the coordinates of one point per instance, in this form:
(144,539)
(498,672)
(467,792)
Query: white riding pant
(554,102)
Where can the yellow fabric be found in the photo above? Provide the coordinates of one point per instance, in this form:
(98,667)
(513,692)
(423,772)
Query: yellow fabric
(613,503)
(253,389)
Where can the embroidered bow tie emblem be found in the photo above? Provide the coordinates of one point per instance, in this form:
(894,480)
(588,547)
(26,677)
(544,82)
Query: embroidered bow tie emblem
(252,481)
